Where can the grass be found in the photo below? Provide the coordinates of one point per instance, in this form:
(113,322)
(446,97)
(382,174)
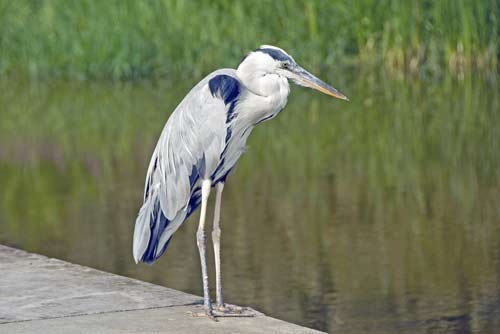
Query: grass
(127,39)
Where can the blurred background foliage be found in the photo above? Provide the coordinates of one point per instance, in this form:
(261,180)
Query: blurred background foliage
(133,39)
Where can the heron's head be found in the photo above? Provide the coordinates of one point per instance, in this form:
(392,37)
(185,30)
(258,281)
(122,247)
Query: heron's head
(271,60)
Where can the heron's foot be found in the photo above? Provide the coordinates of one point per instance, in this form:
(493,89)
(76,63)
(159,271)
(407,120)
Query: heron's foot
(233,311)
(207,313)
(224,308)
(225,311)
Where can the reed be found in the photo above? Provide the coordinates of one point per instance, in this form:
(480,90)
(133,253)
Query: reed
(132,39)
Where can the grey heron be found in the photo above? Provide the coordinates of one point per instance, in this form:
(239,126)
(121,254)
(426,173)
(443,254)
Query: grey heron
(201,144)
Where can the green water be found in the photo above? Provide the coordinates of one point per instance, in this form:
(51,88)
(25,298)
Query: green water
(381,215)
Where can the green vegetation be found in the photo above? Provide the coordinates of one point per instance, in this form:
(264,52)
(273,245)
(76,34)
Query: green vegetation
(133,39)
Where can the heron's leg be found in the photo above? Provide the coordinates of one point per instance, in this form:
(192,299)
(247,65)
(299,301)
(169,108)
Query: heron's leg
(200,236)
(216,241)
(222,309)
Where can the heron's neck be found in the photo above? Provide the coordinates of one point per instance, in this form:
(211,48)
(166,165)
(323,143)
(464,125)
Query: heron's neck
(262,83)
(268,92)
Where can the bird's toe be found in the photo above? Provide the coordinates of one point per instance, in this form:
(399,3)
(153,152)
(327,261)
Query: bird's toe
(233,311)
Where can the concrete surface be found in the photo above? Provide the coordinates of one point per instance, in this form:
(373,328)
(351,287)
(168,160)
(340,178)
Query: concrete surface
(42,295)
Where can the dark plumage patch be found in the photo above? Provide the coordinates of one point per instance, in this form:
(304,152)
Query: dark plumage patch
(158,223)
(194,176)
(220,178)
(224,177)
(265,119)
(229,132)
(219,166)
(225,87)
(275,54)
(197,171)
(194,201)
(230,112)
(148,184)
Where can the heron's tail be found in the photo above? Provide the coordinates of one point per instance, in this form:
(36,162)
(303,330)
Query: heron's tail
(153,231)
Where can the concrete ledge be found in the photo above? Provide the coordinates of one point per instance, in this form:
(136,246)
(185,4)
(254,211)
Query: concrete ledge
(42,295)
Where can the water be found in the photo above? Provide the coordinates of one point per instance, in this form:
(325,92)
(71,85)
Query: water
(380,215)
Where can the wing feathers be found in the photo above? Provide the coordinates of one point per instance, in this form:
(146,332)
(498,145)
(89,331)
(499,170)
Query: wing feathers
(189,150)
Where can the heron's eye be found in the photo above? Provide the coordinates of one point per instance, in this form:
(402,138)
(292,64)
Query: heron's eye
(285,66)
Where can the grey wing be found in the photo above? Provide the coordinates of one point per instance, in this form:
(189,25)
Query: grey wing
(187,152)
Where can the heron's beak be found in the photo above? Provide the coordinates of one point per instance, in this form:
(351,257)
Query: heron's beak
(306,79)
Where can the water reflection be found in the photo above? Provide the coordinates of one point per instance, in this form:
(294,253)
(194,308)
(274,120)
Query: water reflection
(381,215)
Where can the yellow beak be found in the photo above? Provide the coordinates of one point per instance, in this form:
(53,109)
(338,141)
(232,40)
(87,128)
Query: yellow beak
(304,78)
